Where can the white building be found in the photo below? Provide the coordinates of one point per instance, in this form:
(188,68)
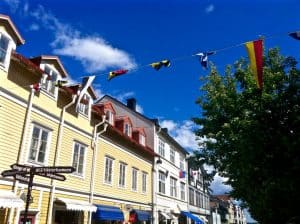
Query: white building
(169,180)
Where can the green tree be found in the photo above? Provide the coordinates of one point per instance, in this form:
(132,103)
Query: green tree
(253,136)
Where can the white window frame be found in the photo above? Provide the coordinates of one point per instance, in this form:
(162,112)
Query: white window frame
(142,139)
(162,182)
(127,129)
(134,179)
(172,155)
(109,116)
(173,187)
(122,174)
(161,147)
(191,196)
(181,163)
(48,85)
(85,109)
(105,180)
(47,148)
(182,191)
(11,45)
(84,148)
(144,182)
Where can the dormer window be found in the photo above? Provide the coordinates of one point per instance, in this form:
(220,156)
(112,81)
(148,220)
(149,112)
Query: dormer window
(127,129)
(142,140)
(84,106)
(4,42)
(49,80)
(109,117)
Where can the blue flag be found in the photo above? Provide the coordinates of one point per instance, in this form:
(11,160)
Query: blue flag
(295,35)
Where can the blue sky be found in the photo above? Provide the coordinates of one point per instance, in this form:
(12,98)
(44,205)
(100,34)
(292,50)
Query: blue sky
(100,36)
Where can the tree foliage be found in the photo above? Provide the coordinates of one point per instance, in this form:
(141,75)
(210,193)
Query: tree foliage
(253,136)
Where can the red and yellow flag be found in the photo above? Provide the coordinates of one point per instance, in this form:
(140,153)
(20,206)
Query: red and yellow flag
(255,53)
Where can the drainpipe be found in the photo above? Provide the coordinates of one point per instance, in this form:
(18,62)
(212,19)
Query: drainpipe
(95,147)
(56,158)
(23,141)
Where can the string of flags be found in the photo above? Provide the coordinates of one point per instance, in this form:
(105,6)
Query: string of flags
(254,50)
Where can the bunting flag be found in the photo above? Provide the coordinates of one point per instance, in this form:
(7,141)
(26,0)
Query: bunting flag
(295,35)
(60,83)
(86,83)
(116,73)
(36,87)
(255,53)
(158,65)
(203,58)
(181,174)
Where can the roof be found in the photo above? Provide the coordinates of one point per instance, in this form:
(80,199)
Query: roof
(223,197)
(37,60)
(29,65)
(73,89)
(11,29)
(165,134)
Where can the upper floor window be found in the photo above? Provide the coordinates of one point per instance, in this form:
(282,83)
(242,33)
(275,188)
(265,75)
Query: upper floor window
(181,163)
(48,84)
(172,155)
(162,182)
(78,158)
(127,129)
(108,170)
(173,189)
(142,140)
(198,199)
(84,105)
(38,146)
(144,182)
(134,179)
(4,43)
(192,196)
(122,174)
(109,117)
(161,148)
(182,191)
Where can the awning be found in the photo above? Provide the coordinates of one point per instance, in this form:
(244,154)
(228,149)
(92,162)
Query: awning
(105,212)
(165,215)
(203,218)
(77,205)
(143,215)
(192,217)
(9,200)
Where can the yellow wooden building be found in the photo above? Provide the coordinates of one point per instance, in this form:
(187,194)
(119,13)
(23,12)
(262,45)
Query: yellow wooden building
(42,124)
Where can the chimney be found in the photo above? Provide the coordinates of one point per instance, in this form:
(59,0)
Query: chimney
(131,103)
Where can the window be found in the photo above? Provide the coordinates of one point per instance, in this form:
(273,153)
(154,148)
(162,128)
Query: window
(172,155)
(201,200)
(127,129)
(191,196)
(122,174)
(78,158)
(4,42)
(38,146)
(84,105)
(108,170)
(182,191)
(109,117)
(198,199)
(162,182)
(134,179)
(161,148)
(144,182)
(181,163)
(142,140)
(173,190)
(49,81)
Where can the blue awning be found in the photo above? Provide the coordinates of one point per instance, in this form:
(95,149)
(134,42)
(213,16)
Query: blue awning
(143,215)
(191,216)
(105,212)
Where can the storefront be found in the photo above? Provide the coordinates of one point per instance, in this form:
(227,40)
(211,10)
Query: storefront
(139,217)
(107,215)
(8,200)
(69,211)
(194,219)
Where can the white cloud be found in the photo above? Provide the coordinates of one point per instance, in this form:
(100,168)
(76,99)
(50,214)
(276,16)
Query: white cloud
(139,109)
(13,4)
(210,8)
(218,186)
(34,27)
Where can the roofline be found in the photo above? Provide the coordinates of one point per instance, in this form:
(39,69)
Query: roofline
(123,105)
(20,40)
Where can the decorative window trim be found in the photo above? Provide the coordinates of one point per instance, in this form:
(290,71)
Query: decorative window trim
(44,81)
(83,114)
(47,150)
(82,175)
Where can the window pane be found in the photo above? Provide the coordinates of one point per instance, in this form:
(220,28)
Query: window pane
(3,47)
(42,151)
